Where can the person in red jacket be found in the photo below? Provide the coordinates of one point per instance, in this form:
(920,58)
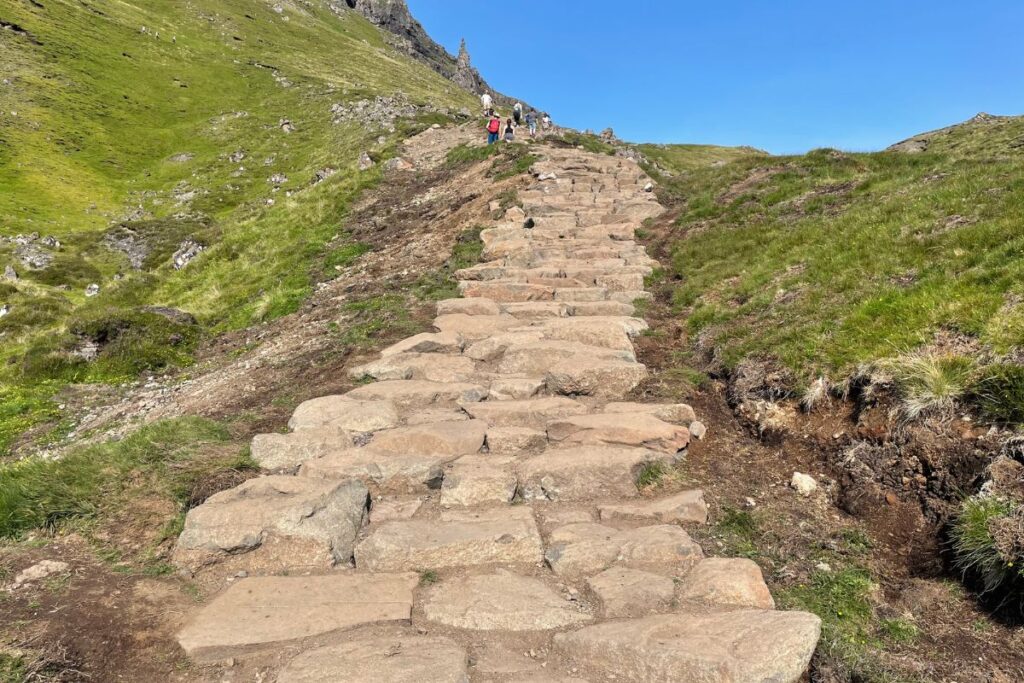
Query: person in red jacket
(493,129)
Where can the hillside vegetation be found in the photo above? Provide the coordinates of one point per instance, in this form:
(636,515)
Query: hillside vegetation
(830,260)
(130,130)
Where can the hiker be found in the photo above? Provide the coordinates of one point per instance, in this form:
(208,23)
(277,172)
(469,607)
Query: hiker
(493,129)
(546,122)
(531,123)
(517,113)
(488,103)
(510,132)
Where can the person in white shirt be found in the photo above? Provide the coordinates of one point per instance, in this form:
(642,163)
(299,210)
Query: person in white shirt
(488,103)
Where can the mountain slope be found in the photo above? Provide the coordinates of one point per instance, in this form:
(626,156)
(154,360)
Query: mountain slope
(134,130)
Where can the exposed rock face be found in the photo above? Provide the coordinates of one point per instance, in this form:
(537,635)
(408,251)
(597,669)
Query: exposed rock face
(394,16)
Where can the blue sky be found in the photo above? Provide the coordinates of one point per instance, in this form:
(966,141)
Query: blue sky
(783,75)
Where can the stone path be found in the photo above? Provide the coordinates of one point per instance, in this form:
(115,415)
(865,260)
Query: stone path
(472,512)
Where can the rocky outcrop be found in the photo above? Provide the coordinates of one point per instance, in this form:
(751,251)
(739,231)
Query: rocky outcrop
(394,17)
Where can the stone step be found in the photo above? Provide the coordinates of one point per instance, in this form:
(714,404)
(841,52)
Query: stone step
(407,395)
(381,472)
(432,367)
(432,438)
(680,508)
(585,473)
(262,613)
(623,429)
(530,413)
(594,376)
(455,539)
(581,550)
(275,523)
(714,647)
(397,657)
(477,480)
(344,413)
(502,601)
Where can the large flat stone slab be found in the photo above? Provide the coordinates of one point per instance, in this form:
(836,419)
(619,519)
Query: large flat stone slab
(676,413)
(474,306)
(257,614)
(432,367)
(428,342)
(627,429)
(274,523)
(515,440)
(500,602)
(438,438)
(534,413)
(478,480)
(681,508)
(538,358)
(584,472)
(623,592)
(343,413)
(391,657)
(283,452)
(585,549)
(383,472)
(718,647)
(456,539)
(411,394)
(474,327)
(727,582)
(590,376)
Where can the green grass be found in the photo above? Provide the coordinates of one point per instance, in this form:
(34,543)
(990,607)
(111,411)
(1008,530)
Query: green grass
(931,382)
(830,260)
(739,532)
(103,110)
(684,158)
(651,474)
(977,547)
(36,493)
(999,393)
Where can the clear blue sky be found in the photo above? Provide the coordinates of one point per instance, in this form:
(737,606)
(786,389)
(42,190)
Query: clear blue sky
(782,75)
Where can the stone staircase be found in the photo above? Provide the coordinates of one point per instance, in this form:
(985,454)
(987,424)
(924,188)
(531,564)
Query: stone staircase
(473,512)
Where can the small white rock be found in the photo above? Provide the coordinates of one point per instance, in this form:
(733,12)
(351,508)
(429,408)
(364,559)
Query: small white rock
(698,430)
(804,484)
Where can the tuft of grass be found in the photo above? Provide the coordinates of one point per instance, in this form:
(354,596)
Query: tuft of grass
(36,493)
(466,154)
(899,630)
(651,474)
(999,393)
(345,255)
(979,548)
(930,383)
(739,531)
(428,577)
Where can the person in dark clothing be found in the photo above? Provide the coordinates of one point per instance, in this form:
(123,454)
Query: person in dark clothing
(510,131)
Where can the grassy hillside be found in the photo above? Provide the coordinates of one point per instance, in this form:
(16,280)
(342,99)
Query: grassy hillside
(829,260)
(159,122)
(684,158)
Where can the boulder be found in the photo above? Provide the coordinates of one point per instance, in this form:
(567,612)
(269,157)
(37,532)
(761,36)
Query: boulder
(585,549)
(635,429)
(268,613)
(741,645)
(500,602)
(274,523)
(688,506)
(727,582)
(343,413)
(623,592)
(393,657)
(439,438)
(515,388)
(391,508)
(804,484)
(456,539)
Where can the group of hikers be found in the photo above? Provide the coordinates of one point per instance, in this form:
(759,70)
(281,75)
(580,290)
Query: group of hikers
(494,124)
